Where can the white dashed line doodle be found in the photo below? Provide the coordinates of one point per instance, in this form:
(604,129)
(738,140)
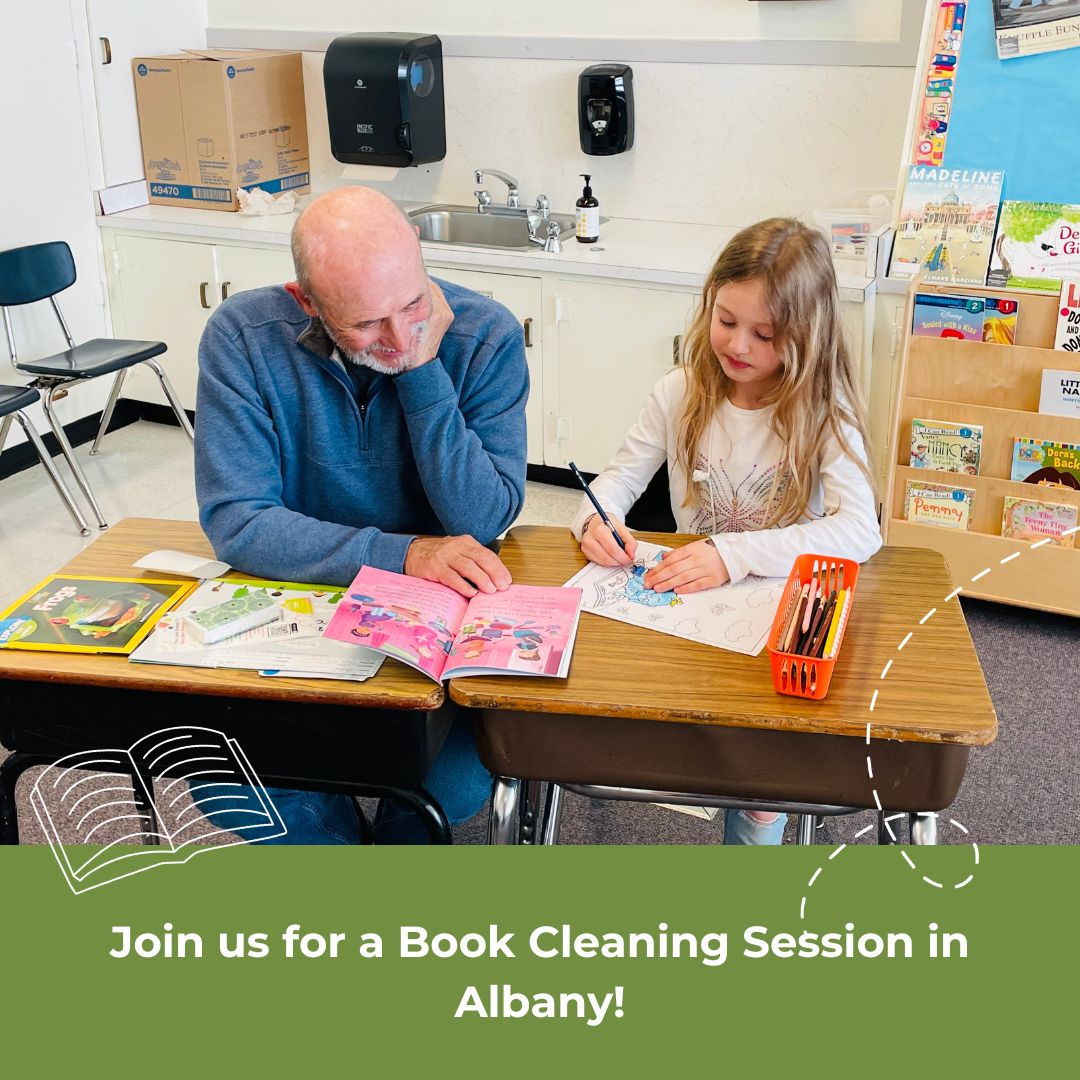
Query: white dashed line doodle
(869,763)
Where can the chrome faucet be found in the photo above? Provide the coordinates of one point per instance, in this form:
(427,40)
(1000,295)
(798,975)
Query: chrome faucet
(510,182)
(550,241)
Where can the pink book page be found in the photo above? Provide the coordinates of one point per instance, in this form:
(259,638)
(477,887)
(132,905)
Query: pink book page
(407,618)
(524,629)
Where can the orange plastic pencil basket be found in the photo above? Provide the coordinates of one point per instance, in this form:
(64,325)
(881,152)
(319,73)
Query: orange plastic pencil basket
(800,675)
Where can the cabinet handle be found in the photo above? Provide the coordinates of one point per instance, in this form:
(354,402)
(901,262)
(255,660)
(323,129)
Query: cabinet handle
(106,50)
(676,346)
(203,302)
(527,327)
(225,290)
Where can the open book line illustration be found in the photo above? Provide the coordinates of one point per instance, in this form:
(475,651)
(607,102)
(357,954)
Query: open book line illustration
(196,759)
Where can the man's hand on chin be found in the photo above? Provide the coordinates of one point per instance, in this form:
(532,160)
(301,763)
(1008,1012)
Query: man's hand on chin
(460,562)
(435,327)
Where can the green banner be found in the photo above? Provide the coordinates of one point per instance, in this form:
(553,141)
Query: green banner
(638,961)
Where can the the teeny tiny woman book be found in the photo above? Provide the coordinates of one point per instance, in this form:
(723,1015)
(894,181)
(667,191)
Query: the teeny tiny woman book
(523,630)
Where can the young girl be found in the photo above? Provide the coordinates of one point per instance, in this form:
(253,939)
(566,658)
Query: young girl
(763,435)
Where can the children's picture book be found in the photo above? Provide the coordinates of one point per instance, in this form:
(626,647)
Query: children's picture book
(1027,27)
(941,316)
(292,641)
(946,446)
(1067,337)
(734,617)
(522,630)
(939,504)
(1037,245)
(1060,395)
(946,224)
(88,614)
(1032,519)
(1051,464)
(999,325)
(939,84)
(84,793)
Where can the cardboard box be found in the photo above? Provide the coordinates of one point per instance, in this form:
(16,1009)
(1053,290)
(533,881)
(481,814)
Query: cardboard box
(215,121)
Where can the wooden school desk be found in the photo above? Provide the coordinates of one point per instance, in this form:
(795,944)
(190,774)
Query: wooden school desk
(372,738)
(644,715)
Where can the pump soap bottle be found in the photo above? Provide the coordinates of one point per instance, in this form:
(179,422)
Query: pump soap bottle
(588,215)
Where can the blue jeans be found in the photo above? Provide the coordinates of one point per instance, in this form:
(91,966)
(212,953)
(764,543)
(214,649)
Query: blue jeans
(741,828)
(457,780)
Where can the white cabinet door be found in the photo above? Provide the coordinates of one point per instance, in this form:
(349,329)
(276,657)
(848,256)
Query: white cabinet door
(241,268)
(163,290)
(119,31)
(523,296)
(615,341)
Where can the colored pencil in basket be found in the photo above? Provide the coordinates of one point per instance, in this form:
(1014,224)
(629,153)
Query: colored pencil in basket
(836,629)
(793,620)
(817,646)
(811,596)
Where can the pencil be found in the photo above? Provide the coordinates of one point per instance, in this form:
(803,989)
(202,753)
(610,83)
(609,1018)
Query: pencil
(815,623)
(793,618)
(599,509)
(796,623)
(818,642)
(838,618)
(810,598)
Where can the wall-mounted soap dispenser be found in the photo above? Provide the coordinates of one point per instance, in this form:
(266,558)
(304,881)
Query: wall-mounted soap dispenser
(384,99)
(606,109)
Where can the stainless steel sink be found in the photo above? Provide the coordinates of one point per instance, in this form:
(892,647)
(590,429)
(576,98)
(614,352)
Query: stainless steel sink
(496,227)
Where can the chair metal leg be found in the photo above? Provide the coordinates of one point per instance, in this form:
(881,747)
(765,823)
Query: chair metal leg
(805,832)
(69,454)
(110,405)
(530,811)
(890,830)
(924,828)
(174,401)
(4,425)
(503,828)
(57,481)
(552,814)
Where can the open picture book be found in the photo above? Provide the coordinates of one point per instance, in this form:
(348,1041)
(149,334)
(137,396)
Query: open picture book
(523,630)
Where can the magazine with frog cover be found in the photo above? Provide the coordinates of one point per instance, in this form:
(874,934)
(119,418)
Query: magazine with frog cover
(1027,27)
(88,614)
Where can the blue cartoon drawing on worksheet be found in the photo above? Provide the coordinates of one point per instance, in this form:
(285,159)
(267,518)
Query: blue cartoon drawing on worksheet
(628,583)
(736,617)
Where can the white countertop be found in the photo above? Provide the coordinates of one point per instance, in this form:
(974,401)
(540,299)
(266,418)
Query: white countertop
(667,253)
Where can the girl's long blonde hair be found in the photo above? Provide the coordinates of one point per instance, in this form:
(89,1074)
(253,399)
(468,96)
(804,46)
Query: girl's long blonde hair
(817,392)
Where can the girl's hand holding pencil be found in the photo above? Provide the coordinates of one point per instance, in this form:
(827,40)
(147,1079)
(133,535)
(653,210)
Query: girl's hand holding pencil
(598,543)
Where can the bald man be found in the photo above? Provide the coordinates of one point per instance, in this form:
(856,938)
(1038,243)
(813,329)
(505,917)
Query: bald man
(363,415)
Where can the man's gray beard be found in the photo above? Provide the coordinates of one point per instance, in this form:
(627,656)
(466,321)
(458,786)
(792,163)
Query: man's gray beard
(371,357)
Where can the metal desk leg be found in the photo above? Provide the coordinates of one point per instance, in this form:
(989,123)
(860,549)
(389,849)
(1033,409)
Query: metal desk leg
(12,768)
(530,811)
(805,829)
(552,814)
(924,828)
(505,794)
(890,829)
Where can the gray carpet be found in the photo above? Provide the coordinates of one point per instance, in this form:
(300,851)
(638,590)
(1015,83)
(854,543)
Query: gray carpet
(1024,788)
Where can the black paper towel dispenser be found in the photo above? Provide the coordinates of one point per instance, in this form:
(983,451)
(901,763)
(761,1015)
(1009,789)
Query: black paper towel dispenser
(606,109)
(384,99)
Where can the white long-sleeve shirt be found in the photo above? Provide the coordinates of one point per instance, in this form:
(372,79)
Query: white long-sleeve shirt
(732,479)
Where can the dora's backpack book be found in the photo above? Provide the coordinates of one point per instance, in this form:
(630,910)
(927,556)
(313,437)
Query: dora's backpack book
(523,630)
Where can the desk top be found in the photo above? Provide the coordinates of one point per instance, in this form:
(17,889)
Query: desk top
(394,687)
(933,692)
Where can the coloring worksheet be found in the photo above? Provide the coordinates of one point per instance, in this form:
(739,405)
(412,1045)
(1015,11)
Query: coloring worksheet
(733,617)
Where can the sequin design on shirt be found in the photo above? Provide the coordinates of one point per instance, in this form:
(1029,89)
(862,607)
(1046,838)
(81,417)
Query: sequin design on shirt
(739,507)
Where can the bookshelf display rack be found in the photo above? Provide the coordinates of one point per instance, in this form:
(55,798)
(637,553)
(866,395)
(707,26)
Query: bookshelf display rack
(998,387)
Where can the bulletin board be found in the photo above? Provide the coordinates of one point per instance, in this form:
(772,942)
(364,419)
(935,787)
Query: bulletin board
(1021,115)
